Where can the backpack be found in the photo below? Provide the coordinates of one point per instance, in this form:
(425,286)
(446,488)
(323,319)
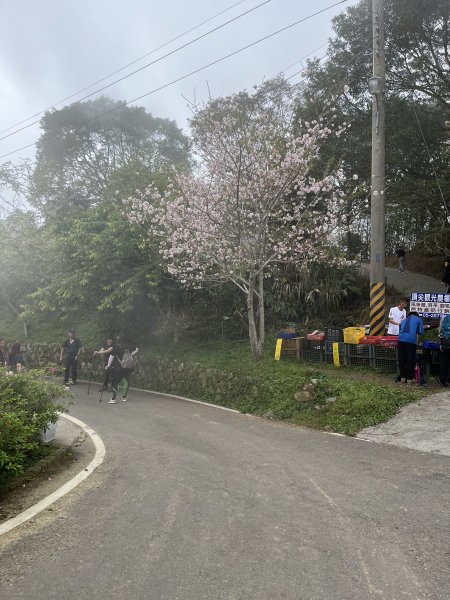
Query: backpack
(127,361)
(445,332)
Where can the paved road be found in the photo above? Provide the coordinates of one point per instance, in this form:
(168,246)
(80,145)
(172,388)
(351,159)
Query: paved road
(194,503)
(408,281)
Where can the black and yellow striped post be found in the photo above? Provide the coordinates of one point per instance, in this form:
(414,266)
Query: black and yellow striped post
(377,309)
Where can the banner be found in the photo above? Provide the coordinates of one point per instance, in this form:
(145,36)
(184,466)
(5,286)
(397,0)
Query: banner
(430,305)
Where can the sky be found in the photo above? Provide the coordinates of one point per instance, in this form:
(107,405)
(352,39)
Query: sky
(51,49)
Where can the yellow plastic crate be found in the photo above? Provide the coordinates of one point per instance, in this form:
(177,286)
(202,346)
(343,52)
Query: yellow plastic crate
(353,335)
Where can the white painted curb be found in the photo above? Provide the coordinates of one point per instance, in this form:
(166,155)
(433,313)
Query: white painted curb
(31,512)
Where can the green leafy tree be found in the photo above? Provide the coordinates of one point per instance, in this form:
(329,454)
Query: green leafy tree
(417,149)
(25,261)
(84,144)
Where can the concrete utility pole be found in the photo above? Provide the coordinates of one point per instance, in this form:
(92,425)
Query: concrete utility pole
(377,243)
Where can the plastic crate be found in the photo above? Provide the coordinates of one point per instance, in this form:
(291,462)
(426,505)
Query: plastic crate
(315,337)
(313,351)
(388,341)
(352,335)
(428,345)
(334,335)
(359,355)
(283,335)
(385,359)
(289,348)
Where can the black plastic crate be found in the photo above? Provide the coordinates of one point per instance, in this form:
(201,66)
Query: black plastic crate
(431,362)
(313,351)
(385,359)
(359,355)
(334,335)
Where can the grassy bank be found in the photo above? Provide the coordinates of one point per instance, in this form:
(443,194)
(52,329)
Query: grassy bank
(339,400)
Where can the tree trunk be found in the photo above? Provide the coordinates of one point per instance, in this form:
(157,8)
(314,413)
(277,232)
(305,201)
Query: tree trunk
(262,324)
(26,327)
(252,332)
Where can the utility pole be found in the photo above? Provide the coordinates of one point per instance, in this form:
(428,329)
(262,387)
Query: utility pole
(377,211)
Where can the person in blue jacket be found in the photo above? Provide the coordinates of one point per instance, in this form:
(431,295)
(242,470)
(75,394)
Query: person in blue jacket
(410,328)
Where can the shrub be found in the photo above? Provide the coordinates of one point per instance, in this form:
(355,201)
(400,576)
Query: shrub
(26,407)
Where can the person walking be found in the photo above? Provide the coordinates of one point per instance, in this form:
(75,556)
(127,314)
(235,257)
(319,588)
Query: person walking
(15,360)
(446,274)
(397,314)
(121,365)
(70,351)
(106,350)
(127,364)
(444,340)
(400,252)
(410,328)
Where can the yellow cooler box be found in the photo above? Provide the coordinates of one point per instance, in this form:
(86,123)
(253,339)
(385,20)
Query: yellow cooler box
(353,335)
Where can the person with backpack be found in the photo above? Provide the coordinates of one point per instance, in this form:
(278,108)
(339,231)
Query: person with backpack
(444,339)
(410,328)
(121,365)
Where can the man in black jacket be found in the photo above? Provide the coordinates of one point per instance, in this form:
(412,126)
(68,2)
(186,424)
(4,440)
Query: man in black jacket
(70,351)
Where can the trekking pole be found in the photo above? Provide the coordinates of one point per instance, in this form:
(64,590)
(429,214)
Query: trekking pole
(101,392)
(90,376)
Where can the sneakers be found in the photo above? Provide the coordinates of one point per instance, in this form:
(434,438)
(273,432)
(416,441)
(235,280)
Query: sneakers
(112,401)
(124,398)
(66,387)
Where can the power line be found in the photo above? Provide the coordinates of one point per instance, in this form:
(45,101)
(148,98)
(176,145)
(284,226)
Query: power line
(195,71)
(153,62)
(214,62)
(125,66)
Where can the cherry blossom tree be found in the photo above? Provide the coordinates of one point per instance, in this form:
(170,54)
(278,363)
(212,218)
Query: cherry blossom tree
(252,203)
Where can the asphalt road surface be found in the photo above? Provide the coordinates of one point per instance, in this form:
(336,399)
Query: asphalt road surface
(194,503)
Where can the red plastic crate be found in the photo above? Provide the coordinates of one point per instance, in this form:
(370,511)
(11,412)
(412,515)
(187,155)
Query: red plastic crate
(315,337)
(387,341)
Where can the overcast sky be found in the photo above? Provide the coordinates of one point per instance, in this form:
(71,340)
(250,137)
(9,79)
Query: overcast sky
(50,49)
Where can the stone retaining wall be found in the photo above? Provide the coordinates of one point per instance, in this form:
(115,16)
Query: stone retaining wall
(163,375)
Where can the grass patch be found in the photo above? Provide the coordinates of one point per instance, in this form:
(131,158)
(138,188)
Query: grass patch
(322,397)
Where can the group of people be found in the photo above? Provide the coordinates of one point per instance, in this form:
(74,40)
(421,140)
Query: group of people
(408,328)
(118,363)
(12,359)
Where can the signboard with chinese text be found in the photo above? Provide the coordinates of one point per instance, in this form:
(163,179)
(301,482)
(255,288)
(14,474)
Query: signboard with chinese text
(430,305)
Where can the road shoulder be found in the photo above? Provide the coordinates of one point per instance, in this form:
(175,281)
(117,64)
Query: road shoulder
(421,426)
(80,451)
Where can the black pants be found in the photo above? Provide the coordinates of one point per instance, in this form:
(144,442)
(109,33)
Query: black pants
(119,374)
(445,364)
(407,360)
(71,364)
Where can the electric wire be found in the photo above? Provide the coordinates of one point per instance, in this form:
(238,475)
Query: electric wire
(153,62)
(195,71)
(125,66)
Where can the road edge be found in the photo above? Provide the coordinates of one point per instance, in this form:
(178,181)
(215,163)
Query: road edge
(100,452)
